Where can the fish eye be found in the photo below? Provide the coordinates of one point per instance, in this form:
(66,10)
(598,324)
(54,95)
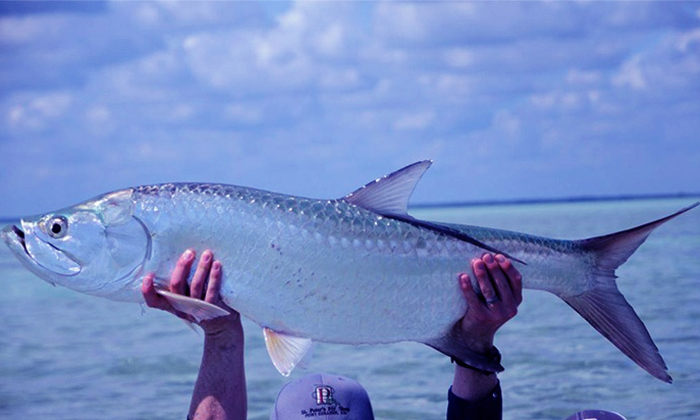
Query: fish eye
(57,227)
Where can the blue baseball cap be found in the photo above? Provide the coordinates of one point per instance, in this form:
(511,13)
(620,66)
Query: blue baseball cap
(322,396)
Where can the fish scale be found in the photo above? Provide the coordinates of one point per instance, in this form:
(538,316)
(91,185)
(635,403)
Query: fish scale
(352,270)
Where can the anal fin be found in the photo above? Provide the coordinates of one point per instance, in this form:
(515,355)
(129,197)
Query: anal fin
(285,350)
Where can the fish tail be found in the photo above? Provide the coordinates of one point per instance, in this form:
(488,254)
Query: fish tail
(607,310)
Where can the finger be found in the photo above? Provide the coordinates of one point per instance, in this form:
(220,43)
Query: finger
(482,278)
(475,308)
(467,290)
(152,298)
(214,286)
(199,280)
(515,279)
(178,278)
(499,280)
(148,291)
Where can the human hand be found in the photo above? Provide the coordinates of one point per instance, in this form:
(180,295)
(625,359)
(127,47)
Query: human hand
(501,293)
(206,283)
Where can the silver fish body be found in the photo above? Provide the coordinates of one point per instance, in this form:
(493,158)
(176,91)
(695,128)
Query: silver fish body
(354,273)
(351,270)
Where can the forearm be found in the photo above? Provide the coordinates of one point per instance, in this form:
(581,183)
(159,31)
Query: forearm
(476,394)
(472,385)
(475,398)
(220,390)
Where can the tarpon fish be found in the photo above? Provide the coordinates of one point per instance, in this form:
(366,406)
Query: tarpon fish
(352,270)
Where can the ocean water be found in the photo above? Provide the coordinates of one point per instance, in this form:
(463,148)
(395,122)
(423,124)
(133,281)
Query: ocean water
(64,355)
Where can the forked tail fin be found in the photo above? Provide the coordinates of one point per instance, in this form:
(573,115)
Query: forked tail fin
(606,309)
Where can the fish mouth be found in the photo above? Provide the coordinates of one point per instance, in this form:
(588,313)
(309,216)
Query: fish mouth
(15,238)
(19,235)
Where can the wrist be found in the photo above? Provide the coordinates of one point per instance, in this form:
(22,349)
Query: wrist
(478,337)
(229,324)
(472,385)
(486,363)
(224,333)
(481,346)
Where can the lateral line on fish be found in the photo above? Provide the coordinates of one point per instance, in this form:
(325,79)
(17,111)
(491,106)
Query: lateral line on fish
(446,230)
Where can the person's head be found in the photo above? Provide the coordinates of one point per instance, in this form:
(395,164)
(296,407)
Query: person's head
(322,396)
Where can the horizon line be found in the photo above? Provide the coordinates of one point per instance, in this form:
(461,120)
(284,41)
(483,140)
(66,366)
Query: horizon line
(571,199)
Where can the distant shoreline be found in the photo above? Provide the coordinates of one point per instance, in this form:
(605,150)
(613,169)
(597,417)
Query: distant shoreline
(509,202)
(574,199)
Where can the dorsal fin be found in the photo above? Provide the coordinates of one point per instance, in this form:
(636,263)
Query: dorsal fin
(389,194)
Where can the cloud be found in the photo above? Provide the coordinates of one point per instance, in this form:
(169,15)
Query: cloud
(424,24)
(35,113)
(453,23)
(272,95)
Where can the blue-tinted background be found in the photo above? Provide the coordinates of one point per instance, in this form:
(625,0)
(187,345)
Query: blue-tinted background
(511,100)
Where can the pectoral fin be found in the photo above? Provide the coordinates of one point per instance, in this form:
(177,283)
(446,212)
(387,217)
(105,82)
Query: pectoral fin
(199,309)
(285,350)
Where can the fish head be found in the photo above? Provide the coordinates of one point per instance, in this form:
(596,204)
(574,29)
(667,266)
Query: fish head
(97,247)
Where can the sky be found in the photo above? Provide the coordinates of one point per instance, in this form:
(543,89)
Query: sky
(512,100)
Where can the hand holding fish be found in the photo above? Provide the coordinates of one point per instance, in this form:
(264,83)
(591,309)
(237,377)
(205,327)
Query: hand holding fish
(205,285)
(220,391)
(501,293)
